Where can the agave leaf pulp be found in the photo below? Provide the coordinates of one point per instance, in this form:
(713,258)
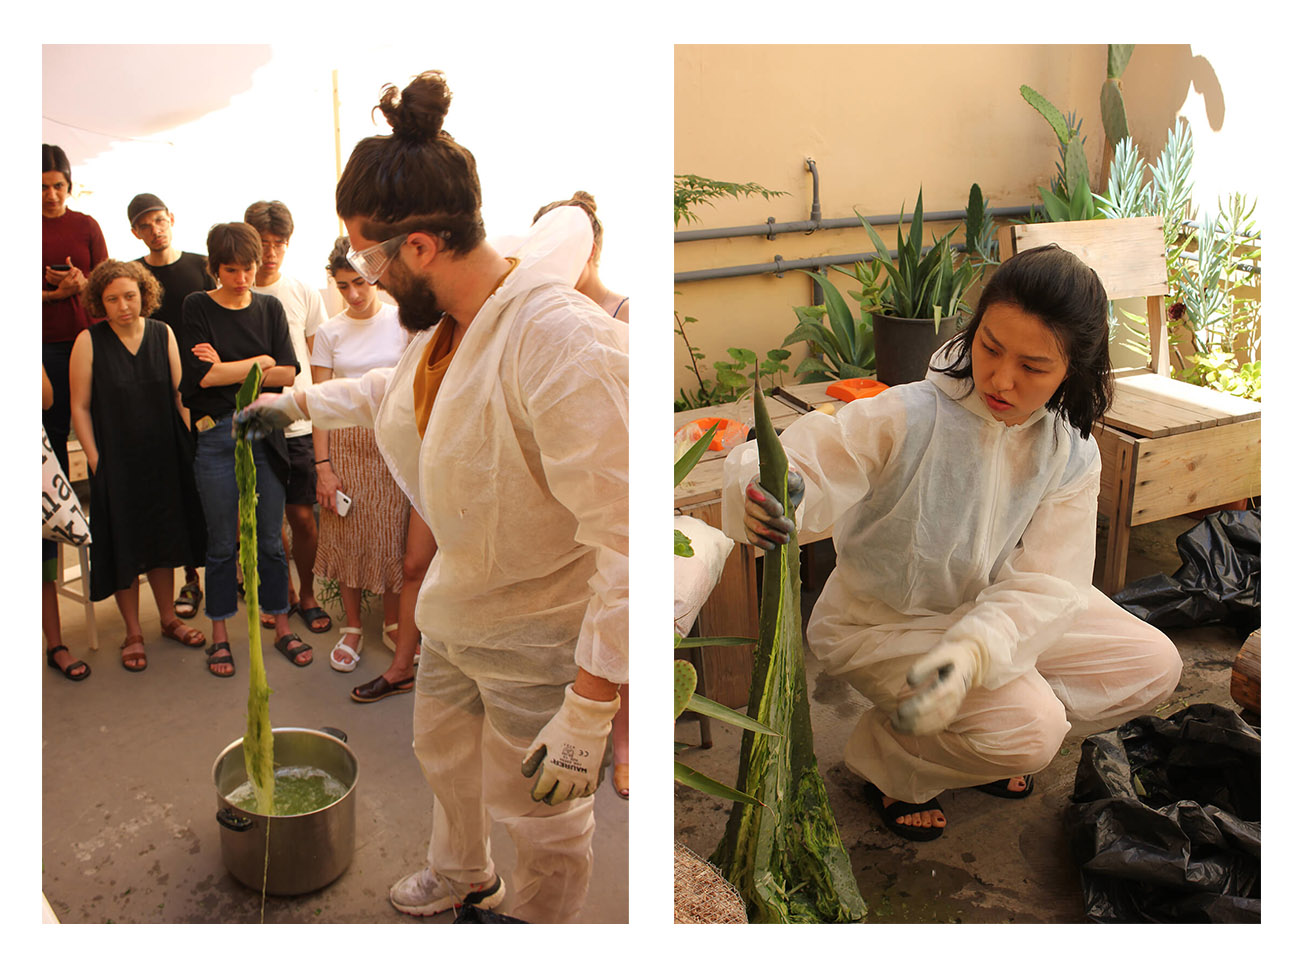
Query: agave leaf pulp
(258,743)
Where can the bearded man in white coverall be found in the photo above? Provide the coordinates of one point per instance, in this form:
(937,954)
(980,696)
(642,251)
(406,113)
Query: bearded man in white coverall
(506,425)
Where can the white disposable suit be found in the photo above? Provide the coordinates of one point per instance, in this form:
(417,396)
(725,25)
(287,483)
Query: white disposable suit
(950,526)
(522,476)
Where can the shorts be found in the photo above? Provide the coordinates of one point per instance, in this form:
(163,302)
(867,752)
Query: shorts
(300,489)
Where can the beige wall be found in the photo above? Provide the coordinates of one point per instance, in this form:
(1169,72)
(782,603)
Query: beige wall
(880,122)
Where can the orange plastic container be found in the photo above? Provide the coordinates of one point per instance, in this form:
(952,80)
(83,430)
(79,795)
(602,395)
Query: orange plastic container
(730,433)
(850,389)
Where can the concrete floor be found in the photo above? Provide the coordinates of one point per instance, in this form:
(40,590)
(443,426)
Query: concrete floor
(998,861)
(129,833)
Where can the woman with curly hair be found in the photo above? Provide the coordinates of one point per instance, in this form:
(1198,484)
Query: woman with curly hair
(145,516)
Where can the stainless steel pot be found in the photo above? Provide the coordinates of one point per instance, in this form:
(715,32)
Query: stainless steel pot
(307,850)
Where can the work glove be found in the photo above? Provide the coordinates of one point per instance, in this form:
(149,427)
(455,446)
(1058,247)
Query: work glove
(568,753)
(765,521)
(941,679)
(267,413)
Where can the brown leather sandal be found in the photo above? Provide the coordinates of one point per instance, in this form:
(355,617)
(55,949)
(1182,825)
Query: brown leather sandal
(185,635)
(134,662)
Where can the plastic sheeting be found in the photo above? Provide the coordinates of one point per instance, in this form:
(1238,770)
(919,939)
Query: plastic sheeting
(1165,820)
(1217,583)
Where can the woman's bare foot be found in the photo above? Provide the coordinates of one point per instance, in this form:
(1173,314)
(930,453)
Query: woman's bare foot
(925,818)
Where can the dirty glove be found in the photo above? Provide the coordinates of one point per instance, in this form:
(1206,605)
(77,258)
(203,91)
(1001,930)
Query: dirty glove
(568,753)
(267,413)
(765,523)
(941,679)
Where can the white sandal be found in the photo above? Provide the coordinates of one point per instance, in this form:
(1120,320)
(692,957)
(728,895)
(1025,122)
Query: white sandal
(343,647)
(390,628)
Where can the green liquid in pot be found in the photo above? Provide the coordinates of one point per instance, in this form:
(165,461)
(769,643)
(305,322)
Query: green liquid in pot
(297,790)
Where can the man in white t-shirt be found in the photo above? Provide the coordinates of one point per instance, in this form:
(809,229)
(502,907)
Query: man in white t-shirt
(305,311)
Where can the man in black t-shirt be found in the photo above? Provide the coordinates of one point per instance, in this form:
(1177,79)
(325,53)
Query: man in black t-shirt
(179,273)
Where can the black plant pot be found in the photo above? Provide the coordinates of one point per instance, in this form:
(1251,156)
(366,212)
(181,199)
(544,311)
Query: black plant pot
(904,346)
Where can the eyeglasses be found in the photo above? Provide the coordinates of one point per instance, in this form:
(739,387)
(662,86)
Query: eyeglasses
(274,245)
(370,262)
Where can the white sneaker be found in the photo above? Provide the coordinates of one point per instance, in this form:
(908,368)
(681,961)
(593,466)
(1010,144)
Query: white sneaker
(421,895)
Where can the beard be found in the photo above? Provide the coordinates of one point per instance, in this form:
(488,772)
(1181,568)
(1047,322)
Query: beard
(417,304)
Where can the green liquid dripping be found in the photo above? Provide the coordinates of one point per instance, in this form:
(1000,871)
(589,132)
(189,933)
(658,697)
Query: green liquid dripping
(297,790)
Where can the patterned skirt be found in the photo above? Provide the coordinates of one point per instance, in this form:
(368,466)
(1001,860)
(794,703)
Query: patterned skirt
(364,549)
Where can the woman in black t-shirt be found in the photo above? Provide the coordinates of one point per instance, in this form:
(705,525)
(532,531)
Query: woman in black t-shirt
(224,333)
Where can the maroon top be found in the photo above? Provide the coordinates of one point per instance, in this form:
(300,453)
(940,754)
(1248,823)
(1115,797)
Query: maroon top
(77,236)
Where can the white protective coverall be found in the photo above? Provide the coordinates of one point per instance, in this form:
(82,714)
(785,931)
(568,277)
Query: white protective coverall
(950,526)
(522,476)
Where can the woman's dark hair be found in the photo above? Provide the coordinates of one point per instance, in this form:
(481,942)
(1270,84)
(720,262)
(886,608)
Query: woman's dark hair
(339,257)
(1065,294)
(417,178)
(53,159)
(235,243)
(580,199)
(106,272)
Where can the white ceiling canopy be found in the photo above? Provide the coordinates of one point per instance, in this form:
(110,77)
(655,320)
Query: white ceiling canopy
(146,89)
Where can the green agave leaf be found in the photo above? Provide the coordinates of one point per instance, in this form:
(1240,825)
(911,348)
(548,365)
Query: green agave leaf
(918,223)
(692,455)
(1054,206)
(690,642)
(819,335)
(787,860)
(698,781)
(837,313)
(725,714)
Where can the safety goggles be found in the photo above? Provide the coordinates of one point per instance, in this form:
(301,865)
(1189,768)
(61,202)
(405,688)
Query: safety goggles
(370,262)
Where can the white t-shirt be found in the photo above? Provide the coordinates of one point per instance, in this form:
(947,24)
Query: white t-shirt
(353,346)
(305,311)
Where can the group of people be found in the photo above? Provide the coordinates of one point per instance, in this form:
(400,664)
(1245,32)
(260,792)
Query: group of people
(466,450)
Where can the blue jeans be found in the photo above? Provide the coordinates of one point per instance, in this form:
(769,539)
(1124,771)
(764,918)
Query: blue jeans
(214,472)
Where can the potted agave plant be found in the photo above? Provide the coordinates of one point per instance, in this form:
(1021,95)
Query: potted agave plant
(920,299)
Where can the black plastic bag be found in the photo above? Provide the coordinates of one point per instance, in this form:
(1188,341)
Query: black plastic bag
(1217,583)
(1165,820)
(472,914)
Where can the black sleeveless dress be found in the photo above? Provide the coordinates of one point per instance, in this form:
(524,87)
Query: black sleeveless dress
(144,507)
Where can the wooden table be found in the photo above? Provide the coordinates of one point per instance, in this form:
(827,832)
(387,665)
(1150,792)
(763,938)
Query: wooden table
(732,608)
(1169,448)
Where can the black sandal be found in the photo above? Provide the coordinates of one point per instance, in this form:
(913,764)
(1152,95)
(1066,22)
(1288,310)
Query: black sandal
(285,645)
(1001,788)
(215,660)
(68,671)
(187,602)
(899,808)
(378,688)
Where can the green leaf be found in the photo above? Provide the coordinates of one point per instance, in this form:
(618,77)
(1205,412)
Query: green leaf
(787,860)
(692,455)
(1045,107)
(698,781)
(689,642)
(1117,56)
(685,680)
(725,714)
(682,544)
